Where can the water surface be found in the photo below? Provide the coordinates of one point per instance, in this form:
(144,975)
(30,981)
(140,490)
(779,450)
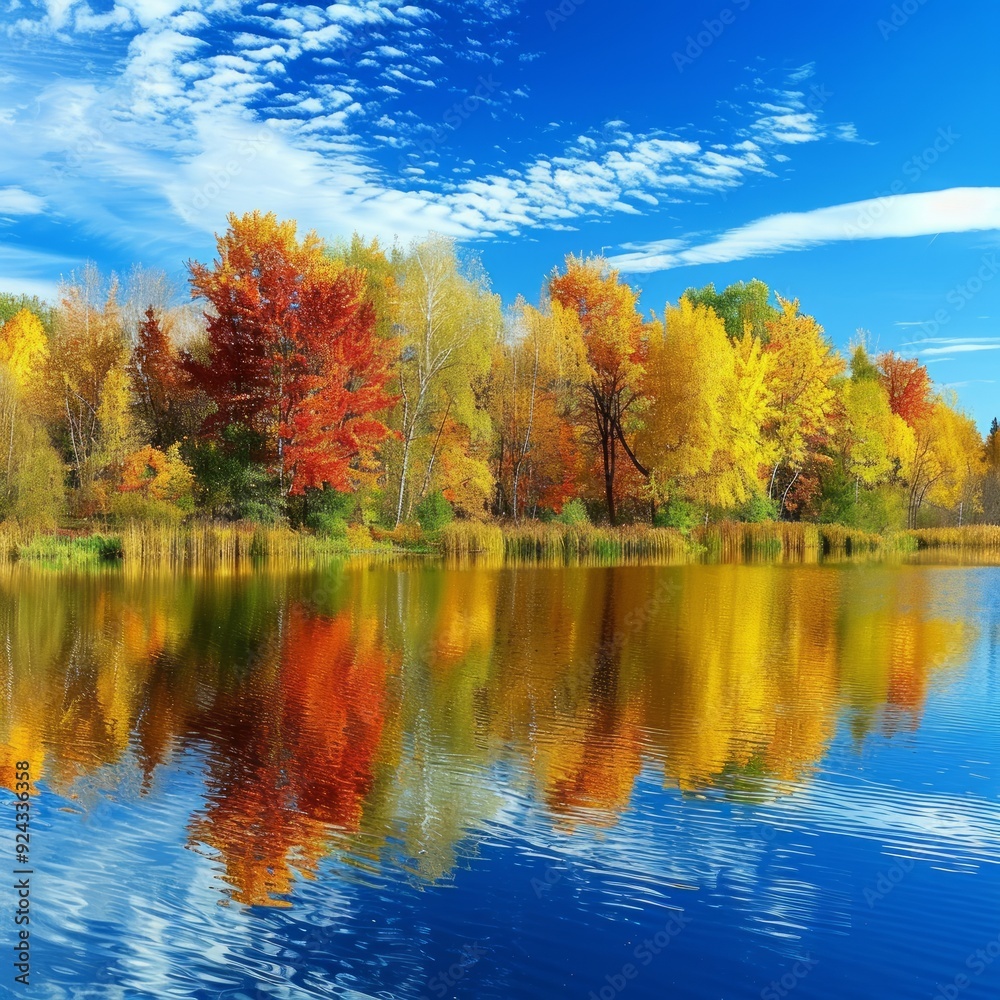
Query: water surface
(419,781)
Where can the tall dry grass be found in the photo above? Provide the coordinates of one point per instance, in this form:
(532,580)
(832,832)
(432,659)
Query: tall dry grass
(550,542)
(982,537)
(839,540)
(471,538)
(738,540)
(199,543)
(242,544)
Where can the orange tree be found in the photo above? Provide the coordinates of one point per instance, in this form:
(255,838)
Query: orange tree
(614,335)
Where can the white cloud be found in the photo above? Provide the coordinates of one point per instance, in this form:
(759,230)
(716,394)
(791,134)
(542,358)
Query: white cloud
(947,340)
(849,133)
(193,123)
(802,73)
(959,348)
(956,210)
(17,201)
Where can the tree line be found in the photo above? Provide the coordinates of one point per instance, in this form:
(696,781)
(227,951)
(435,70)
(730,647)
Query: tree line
(324,384)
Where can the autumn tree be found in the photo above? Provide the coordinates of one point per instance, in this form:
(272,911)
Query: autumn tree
(706,403)
(804,366)
(24,351)
(448,321)
(748,450)
(614,334)
(88,386)
(869,430)
(537,362)
(158,381)
(862,485)
(11,304)
(292,354)
(31,474)
(908,386)
(991,475)
(945,461)
(142,289)
(380,269)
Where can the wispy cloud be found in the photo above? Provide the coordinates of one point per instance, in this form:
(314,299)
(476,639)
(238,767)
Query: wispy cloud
(166,114)
(956,210)
(17,201)
(959,348)
(947,340)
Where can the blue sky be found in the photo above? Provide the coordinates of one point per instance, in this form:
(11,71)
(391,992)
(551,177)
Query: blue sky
(845,154)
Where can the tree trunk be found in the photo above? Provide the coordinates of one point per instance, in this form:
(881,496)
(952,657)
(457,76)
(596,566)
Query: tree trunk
(785,494)
(609,475)
(430,463)
(527,434)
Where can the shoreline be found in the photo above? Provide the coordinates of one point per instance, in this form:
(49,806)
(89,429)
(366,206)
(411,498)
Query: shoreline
(212,544)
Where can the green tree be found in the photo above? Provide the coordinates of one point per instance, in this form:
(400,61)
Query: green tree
(740,306)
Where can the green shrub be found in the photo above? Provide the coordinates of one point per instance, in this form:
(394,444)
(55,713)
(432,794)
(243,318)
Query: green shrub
(231,482)
(759,508)
(573,513)
(679,514)
(328,525)
(124,507)
(54,552)
(434,512)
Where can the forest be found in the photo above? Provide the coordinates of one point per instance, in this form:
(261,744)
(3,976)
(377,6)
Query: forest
(328,385)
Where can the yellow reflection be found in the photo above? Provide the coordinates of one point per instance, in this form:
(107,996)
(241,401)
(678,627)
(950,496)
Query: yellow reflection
(380,710)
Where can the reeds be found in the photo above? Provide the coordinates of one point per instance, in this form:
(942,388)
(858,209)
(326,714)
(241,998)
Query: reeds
(12,537)
(241,544)
(540,542)
(471,538)
(211,543)
(838,540)
(200,543)
(982,537)
(750,541)
(70,552)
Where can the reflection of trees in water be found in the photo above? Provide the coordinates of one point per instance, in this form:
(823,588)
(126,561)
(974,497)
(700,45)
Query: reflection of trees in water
(362,712)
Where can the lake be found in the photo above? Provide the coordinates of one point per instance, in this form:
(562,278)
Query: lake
(408,780)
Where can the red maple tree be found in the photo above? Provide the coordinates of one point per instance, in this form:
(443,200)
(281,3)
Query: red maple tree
(293,353)
(908,385)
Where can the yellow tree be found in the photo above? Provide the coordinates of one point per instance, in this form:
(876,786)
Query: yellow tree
(448,321)
(708,400)
(748,450)
(24,350)
(537,361)
(88,361)
(867,432)
(804,366)
(689,381)
(32,474)
(945,463)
